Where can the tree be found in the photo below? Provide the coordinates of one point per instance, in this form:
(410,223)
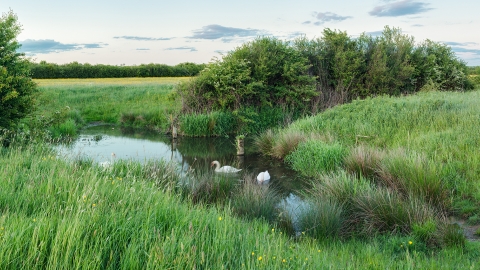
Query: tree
(17,88)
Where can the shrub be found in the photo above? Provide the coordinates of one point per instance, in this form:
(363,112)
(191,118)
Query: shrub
(17,90)
(266,72)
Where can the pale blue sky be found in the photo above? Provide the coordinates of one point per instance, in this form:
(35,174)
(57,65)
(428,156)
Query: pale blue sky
(171,32)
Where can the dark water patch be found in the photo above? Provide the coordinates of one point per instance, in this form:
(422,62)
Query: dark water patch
(98,142)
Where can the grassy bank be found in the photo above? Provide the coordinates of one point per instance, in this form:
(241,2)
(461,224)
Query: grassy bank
(66,104)
(77,215)
(416,145)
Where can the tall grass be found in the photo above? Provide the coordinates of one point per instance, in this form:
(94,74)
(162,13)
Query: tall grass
(438,126)
(255,201)
(59,215)
(137,102)
(315,157)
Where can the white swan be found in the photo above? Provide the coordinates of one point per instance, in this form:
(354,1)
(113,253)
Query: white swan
(108,164)
(224,169)
(263,177)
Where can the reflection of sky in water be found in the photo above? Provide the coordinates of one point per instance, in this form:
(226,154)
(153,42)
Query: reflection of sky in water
(99,142)
(125,148)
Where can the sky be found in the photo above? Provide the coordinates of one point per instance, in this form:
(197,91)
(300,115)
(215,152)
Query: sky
(171,32)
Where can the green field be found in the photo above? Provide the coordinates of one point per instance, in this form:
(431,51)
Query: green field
(136,102)
(57,214)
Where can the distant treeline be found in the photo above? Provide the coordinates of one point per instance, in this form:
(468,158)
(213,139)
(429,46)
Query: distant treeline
(44,70)
(474,70)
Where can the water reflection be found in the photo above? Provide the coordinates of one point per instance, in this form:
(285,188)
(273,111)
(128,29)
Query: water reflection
(99,142)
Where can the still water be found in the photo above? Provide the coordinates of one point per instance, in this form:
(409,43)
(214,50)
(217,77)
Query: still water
(99,142)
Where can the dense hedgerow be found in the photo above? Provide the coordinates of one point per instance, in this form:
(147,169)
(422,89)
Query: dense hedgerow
(305,76)
(44,70)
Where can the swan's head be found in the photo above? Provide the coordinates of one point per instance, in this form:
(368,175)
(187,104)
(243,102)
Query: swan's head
(214,163)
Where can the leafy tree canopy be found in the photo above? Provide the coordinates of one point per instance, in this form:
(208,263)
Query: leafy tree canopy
(16,86)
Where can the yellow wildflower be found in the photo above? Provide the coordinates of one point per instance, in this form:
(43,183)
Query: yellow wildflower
(410,242)
(260,258)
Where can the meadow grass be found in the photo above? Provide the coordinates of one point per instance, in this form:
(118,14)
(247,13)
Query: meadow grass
(59,215)
(136,102)
(439,127)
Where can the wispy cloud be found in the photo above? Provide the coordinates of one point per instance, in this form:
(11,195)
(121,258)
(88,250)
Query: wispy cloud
(465,50)
(215,31)
(183,48)
(323,17)
(468,51)
(400,8)
(294,35)
(375,33)
(142,49)
(453,43)
(141,38)
(32,46)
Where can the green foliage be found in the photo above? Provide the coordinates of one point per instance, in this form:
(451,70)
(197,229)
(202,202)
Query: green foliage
(437,62)
(315,157)
(44,70)
(65,129)
(17,89)
(306,76)
(425,231)
(475,80)
(263,73)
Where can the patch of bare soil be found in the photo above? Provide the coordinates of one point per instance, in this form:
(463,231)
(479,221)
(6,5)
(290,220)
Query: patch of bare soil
(469,230)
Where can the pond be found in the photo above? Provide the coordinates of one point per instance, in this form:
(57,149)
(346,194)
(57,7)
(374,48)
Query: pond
(99,142)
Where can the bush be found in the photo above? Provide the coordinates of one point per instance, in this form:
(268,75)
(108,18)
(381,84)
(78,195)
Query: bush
(17,89)
(266,72)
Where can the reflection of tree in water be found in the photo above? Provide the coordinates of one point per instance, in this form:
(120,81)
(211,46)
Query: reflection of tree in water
(205,147)
(198,153)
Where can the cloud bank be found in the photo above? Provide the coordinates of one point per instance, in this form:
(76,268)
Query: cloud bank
(215,31)
(141,38)
(323,17)
(400,8)
(183,48)
(32,46)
